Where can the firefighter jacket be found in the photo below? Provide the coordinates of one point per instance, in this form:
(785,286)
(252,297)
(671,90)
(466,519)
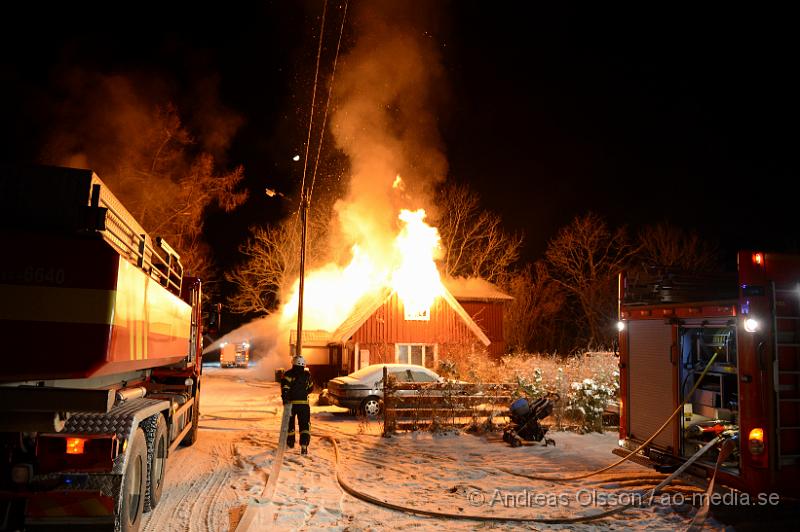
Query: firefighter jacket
(296,385)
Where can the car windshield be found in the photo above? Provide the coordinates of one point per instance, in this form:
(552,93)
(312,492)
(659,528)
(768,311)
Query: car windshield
(363,373)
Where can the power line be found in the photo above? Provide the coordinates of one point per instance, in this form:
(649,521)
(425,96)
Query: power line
(328,102)
(313,103)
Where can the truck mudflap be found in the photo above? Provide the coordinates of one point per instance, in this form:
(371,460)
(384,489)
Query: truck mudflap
(71,509)
(74,508)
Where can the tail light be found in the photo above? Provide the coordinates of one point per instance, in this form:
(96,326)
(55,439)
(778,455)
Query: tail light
(758,259)
(756,441)
(75,445)
(68,452)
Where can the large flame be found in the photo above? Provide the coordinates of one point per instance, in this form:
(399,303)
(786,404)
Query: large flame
(331,292)
(416,279)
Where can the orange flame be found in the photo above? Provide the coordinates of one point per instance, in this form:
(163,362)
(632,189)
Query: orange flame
(331,292)
(416,279)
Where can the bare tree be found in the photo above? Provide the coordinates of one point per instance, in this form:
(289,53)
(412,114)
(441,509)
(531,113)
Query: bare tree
(473,238)
(272,262)
(153,165)
(586,257)
(168,189)
(531,318)
(666,246)
(271,256)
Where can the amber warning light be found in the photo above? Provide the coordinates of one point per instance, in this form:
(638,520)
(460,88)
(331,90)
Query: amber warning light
(75,445)
(758,259)
(756,440)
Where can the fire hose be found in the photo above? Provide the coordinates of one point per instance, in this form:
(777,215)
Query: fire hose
(251,512)
(632,453)
(249,517)
(554,520)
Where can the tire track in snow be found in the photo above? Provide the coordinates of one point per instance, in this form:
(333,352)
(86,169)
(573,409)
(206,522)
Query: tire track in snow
(208,492)
(194,489)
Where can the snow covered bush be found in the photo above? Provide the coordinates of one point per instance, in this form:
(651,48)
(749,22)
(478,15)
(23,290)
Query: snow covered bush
(532,387)
(588,399)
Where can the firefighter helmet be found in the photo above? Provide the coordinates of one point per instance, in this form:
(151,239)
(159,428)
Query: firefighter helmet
(299,361)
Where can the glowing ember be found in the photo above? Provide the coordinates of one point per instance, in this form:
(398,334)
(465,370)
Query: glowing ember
(398,182)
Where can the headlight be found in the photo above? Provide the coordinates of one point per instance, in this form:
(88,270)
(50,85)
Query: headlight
(620,326)
(750,325)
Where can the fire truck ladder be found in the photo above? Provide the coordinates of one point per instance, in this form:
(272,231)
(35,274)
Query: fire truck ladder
(786,372)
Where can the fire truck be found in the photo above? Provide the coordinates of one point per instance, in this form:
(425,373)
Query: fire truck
(234,354)
(101,355)
(735,340)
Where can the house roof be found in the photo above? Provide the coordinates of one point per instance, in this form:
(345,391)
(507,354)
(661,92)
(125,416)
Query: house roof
(367,306)
(474,289)
(363,309)
(466,317)
(311,338)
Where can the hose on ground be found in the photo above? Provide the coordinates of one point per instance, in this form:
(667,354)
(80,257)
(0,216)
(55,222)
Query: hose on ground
(632,453)
(546,520)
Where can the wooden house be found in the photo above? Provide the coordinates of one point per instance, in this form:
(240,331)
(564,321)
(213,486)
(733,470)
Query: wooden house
(379,330)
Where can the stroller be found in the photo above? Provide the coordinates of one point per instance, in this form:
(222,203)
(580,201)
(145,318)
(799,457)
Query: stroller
(524,427)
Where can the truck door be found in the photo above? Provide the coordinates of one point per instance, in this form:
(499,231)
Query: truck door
(652,389)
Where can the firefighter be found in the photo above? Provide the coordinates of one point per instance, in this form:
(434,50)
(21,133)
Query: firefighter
(295,387)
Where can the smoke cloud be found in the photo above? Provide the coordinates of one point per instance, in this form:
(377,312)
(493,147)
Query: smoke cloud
(385,94)
(108,122)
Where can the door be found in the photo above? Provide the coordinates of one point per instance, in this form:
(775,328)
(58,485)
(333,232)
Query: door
(652,391)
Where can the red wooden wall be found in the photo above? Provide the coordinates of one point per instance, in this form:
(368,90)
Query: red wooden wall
(489,317)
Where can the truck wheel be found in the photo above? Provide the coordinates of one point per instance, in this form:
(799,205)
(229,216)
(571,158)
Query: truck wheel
(134,483)
(191,436)
(156,464)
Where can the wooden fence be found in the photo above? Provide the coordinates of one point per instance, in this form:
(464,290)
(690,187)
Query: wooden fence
(416,405)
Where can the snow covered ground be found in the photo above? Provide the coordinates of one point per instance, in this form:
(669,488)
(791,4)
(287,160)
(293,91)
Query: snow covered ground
(208,486)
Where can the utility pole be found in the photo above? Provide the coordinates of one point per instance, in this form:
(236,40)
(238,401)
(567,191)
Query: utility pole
(304,205)
(272,481)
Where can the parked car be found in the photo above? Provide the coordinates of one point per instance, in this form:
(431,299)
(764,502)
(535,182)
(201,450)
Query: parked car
(363,389)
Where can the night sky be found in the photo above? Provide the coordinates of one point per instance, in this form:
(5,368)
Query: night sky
(682,115)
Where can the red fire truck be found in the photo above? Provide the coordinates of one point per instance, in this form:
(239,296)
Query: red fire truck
(101,355)
(749,322)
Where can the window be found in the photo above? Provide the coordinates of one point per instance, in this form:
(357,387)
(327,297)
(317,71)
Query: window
(420,354)
(422,376)
(402,375)
(365,373)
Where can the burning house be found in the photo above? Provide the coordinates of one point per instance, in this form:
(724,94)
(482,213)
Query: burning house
(382,329)
(394,308)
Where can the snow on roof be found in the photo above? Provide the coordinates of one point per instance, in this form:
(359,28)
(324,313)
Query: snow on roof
(310,338)
(474,289)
